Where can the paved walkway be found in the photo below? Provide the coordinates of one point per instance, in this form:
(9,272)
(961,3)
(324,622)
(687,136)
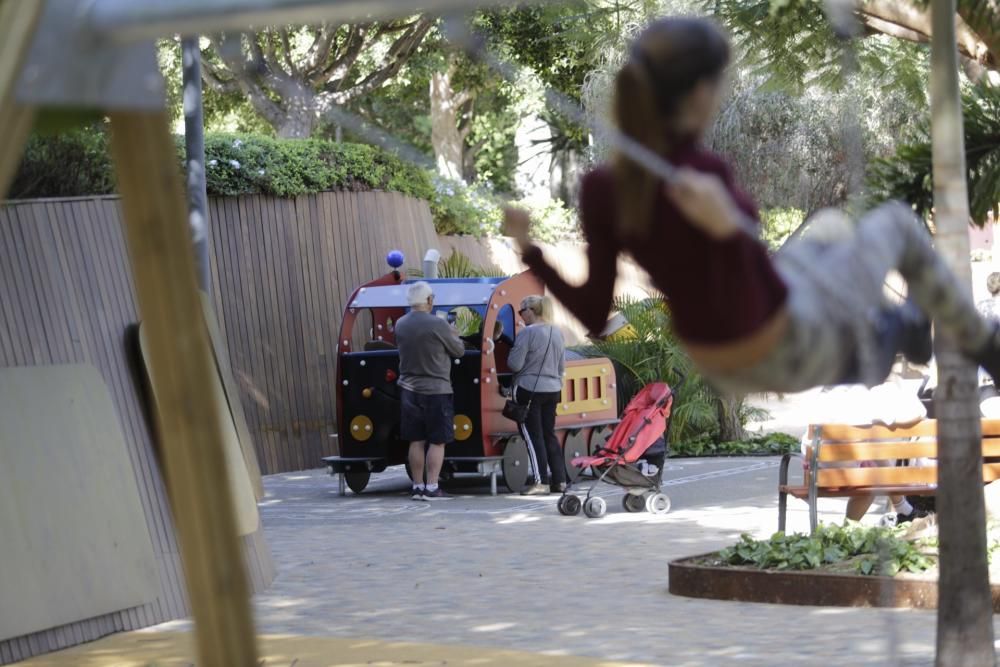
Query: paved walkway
(510,572)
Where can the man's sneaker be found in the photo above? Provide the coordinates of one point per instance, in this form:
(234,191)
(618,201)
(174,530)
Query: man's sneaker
(907,518)
(536,490)
(418,494)
(437,494)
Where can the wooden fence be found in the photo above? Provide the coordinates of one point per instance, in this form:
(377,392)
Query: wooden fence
(282,270)
(66,297)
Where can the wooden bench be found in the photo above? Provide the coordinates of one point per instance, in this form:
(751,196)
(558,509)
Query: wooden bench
(835,445)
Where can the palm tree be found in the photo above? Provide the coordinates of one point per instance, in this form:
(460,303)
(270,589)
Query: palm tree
(965,608)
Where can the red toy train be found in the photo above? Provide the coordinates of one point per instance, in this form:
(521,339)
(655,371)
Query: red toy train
(485,443)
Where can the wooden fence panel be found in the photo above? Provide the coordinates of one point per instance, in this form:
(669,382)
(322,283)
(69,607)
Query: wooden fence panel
(66,296)
(283,270)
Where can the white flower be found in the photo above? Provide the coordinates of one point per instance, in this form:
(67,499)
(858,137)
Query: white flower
(212,163)
(237,143)
(260,172)
(234,164)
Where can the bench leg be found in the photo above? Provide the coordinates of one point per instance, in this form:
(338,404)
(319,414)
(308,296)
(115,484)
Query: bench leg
(342,484)
(782,496)
(493,481)
(782,510)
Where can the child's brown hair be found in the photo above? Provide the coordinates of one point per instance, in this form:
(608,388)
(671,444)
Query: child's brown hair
(667,60)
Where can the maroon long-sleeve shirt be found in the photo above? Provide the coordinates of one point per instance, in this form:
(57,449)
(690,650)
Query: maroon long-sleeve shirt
(719,291)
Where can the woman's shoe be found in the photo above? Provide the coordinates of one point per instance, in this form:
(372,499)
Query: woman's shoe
(536,490)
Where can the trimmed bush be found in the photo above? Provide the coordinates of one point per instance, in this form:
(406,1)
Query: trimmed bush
(70,164)
(77,163)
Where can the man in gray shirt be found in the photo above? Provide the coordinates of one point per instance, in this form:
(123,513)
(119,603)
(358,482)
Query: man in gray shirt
(427,345)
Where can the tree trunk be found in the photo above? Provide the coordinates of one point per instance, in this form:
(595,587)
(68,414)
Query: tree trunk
(301,112)
(298,124)
(965,609)
(446,137)
(730,425)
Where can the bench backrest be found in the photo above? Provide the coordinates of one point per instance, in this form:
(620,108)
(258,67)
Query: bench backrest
(882,446)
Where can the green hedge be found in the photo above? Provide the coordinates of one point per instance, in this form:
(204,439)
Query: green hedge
(77,163)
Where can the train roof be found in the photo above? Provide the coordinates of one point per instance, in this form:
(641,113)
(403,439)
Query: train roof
(448,292)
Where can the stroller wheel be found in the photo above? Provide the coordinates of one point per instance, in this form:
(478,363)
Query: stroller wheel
(633,503)
(569,505)
(658,503)
(595,507)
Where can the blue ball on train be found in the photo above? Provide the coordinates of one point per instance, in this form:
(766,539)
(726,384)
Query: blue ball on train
(395,259)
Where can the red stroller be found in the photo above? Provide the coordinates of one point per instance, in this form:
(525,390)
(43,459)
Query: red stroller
(618,461)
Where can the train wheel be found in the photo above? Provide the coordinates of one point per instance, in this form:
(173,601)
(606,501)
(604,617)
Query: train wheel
(658,503)
(575,446)
(516,464)
(569,505)
(632,503)
(595,507)
(357,480)
(597,437)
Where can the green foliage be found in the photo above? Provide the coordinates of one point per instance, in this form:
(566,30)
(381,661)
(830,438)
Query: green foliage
(460,209)
(552,221)
(238,164)
(458,265)
(908,175)
(651,353)
(870,546)
(791,45)
(235,165)
(401,107)
(491,137)
(772,444)
(784,125)
(562,44)
(68,164)
(777,224)
(247,164)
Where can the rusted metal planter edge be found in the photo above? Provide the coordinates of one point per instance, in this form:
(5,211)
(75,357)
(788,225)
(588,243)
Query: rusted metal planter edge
(687,578)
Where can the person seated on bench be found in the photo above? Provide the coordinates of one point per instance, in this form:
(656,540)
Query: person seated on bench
(889,404)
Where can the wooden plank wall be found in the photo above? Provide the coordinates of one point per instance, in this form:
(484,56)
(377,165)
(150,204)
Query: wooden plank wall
(282,270)
(66,296)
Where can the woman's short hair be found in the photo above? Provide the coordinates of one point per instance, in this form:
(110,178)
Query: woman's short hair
(418,293)
(541,306)
(993,283)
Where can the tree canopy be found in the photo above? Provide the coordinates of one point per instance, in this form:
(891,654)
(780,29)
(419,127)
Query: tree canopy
(292,76)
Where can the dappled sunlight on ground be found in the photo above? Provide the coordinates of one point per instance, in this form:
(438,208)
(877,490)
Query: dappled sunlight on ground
(511,572)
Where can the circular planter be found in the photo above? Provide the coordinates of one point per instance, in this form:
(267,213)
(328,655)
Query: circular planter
(689,577)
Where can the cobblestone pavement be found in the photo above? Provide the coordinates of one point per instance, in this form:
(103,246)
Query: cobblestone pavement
(510,572)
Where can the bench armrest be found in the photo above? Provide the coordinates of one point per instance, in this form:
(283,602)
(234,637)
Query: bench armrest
(783,467)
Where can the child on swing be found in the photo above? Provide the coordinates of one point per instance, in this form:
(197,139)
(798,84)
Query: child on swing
(811,315)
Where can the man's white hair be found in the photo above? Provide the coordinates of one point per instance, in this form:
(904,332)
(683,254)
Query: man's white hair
(418,293)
